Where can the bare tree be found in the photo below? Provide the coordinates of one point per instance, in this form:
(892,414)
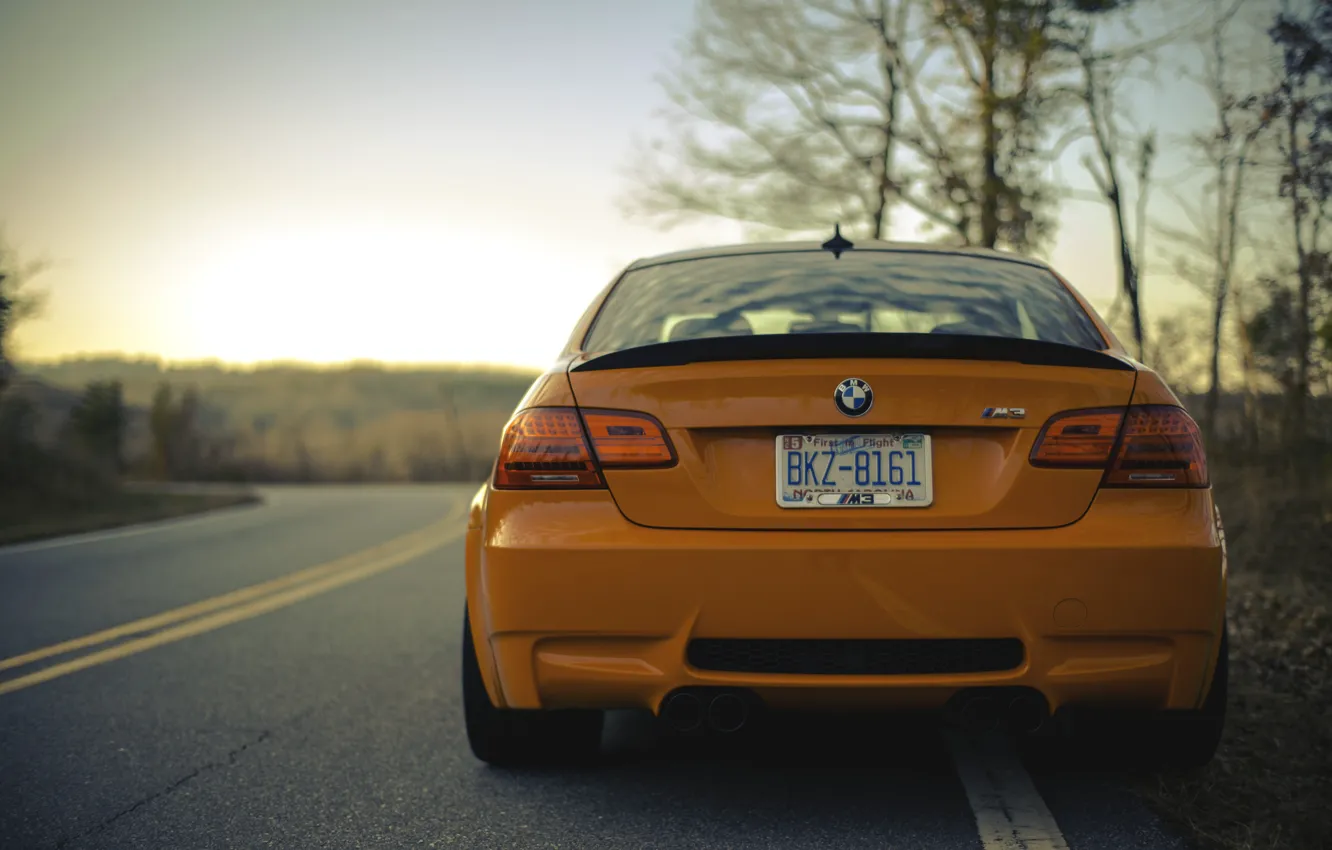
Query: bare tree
(1122,158)
(1241,321)
(1101,76)
(1015,60)
(18,301)
(1211,244)
(1302,102)
(796,114)
(786,114)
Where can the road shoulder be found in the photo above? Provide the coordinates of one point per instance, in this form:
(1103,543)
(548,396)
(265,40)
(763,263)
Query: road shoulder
(31,523)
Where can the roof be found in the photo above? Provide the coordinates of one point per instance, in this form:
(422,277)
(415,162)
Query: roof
(799,247)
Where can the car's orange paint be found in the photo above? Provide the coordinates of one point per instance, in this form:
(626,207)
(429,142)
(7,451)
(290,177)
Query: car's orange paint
(586,608)
(550,389)
(726,445)
(473,552)
(1150,389)
(576,604)
(480,630)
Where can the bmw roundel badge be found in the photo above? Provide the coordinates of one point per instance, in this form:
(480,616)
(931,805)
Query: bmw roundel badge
(853,397)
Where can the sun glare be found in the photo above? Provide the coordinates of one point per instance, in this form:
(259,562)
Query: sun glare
(339,293)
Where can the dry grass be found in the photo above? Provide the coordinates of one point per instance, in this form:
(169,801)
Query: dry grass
(26,522)
(1271,784)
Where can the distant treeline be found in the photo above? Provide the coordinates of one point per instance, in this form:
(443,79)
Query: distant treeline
(278,423)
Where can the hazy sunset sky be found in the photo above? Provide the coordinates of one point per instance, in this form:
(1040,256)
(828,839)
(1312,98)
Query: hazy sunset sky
(330,180)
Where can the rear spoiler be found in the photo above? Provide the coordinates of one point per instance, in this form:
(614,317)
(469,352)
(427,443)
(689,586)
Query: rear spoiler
(828,346)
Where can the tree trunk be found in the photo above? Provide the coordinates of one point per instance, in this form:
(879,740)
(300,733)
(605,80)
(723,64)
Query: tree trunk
(1300,385)
(989,122)
(1128,270)
(1229,196)
(1214,370)
(1303,342)
(1250,434)
(887,186)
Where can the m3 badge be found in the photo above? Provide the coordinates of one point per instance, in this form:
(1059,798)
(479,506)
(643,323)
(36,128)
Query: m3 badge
(1004,413)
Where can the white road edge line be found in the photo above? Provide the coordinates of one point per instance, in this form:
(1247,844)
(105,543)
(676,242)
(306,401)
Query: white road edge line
(133,530)
(1010,814)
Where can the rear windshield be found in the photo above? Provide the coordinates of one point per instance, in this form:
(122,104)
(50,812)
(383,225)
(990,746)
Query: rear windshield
(864,291)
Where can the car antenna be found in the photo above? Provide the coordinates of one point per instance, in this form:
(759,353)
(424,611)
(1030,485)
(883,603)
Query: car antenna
(838,244)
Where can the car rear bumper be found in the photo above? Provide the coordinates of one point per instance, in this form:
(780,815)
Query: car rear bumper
(581,608)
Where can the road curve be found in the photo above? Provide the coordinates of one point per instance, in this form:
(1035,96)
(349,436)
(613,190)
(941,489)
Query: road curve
(287,676)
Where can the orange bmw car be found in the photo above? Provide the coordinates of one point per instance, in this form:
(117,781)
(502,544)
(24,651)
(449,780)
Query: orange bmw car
(870,477)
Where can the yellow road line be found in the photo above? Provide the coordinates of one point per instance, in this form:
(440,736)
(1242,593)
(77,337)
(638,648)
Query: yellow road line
(225,600)
(239,605)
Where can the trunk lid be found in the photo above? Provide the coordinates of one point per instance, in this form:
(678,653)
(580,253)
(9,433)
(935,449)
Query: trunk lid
(724,418)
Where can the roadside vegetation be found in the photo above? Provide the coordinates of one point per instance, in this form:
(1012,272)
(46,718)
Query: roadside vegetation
(74,433)
(290,422)
(1270,784)
(62,454)
(25,521)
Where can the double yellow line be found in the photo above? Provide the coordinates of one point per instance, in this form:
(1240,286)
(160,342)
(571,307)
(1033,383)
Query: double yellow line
(215,612)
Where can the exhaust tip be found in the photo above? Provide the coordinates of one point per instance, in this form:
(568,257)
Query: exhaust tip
(727,713)
(683,711)
(1025,714)
(981,714)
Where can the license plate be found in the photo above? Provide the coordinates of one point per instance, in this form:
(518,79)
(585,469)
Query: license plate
(854,471)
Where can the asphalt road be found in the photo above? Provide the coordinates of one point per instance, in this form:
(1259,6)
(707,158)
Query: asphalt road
(322,709)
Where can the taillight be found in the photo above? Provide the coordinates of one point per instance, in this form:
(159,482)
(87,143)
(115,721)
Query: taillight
(1145,445)
(544,447)
(548,448)
(1161,447)
(1078,439)
(624,440)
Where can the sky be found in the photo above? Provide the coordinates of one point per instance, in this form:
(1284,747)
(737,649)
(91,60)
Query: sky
(332,180)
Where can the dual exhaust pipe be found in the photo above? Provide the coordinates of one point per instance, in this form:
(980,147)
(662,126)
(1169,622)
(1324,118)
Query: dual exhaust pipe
(1021,711)
(687,711)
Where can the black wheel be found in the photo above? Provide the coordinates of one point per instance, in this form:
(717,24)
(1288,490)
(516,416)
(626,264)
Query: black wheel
(512,738)
(1164,739)
(1189,739)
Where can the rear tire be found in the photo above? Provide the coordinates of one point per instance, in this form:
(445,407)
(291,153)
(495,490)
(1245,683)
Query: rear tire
(513,738)
(1169,739)
(1189,739)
